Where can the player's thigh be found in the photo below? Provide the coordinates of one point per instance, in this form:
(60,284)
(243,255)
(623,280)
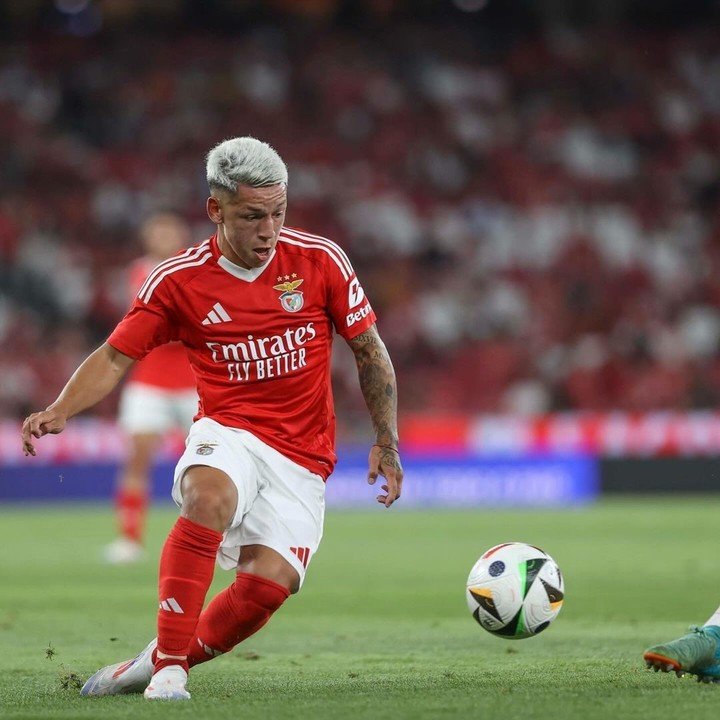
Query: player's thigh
(214,455)
(145,409)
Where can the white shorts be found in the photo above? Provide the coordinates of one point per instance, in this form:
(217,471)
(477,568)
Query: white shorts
(280,504)
(148,409)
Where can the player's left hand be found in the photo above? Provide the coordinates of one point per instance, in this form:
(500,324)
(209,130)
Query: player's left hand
(386,462)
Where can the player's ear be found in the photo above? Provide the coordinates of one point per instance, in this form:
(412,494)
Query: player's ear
(214,210)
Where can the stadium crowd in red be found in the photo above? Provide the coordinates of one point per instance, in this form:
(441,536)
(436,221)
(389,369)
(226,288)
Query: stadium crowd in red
(536,221)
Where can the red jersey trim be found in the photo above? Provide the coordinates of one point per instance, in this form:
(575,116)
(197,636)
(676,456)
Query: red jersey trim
(332,244)
(334,251)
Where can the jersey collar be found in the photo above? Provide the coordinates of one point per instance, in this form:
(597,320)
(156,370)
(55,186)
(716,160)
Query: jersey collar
(246,274)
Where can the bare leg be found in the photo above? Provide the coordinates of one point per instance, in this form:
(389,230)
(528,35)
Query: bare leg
(131,498)
(266,563)
(135,475)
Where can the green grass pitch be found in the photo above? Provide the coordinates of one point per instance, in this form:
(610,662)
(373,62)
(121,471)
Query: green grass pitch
(380,629)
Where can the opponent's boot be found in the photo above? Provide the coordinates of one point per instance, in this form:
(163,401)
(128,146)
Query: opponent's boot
(697,653)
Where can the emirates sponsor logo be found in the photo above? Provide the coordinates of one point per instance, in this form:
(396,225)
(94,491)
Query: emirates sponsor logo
(263,358)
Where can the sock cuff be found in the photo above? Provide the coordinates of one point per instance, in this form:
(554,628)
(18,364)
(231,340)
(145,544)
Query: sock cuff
(249,580)
(191,530)
(161,663)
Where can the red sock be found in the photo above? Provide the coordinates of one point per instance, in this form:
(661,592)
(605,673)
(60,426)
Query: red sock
(186,570)
(131,508)
(233,615)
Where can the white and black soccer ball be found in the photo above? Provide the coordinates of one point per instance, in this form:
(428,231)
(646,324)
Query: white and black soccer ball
(515,590)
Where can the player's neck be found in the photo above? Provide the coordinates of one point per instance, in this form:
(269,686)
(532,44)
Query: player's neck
(227,252)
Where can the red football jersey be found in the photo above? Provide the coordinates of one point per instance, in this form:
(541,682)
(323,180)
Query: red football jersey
(167,366)
(259,340)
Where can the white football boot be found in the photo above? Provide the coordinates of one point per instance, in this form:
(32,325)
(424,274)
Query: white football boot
(168,684)
(131,676)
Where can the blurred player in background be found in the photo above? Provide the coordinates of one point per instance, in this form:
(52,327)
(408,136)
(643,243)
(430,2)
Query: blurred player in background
(255,306)
(697,653)
(159,396)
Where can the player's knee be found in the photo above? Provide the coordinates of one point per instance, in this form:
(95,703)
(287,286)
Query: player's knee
(286,578)
(263,562)
(292,583)
(209,501)
(208,507)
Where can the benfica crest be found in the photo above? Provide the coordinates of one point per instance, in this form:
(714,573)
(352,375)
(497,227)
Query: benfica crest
(206,448)
(291,298)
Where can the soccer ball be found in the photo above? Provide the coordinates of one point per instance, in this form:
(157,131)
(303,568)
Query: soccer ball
(515,590)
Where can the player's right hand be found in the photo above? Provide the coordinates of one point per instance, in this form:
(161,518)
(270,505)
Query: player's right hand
(46,422)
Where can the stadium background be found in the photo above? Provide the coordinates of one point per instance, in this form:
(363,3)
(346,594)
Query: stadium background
(530,192)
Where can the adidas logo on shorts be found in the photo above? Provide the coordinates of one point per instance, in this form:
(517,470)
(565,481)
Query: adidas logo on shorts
(303,554)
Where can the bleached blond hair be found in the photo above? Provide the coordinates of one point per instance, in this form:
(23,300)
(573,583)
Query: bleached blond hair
(244,161)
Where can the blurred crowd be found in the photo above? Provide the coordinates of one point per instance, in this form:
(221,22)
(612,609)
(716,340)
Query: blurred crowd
(535,219)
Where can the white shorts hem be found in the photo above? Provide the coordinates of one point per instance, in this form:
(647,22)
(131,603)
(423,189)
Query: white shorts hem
(229,555)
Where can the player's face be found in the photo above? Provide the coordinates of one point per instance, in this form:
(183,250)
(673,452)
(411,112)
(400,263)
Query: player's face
(249,222)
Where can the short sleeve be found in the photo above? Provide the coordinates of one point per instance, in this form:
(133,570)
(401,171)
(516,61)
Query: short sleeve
(349,307)
(145,326)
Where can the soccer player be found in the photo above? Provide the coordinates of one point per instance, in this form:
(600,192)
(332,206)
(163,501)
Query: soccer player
(697,653)
(255,306)
(158,396)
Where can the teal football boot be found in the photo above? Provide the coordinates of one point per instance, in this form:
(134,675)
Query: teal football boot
(697,653)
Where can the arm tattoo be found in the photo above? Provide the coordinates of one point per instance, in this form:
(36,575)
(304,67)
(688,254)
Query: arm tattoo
(377,382)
